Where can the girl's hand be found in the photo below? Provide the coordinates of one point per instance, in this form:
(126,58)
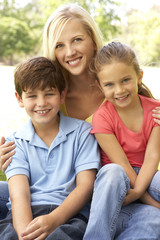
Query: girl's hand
(6,152)
(156,115)
(132,195)
(39,228)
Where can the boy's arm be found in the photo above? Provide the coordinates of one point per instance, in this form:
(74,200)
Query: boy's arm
(71,206)
(19,192)
(114,151)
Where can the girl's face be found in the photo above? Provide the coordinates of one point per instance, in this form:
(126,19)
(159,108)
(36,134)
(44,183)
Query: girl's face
(74,48)
(120,84)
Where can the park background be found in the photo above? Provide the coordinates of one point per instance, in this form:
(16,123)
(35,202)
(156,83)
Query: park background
(136,23)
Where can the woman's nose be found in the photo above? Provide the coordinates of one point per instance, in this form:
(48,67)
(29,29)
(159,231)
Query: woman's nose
(70,51)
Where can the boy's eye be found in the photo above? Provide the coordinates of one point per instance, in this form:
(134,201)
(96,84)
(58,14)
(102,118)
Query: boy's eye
(50,94)
(31,96)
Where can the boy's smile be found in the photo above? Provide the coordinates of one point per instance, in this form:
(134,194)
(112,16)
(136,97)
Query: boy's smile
(41,105)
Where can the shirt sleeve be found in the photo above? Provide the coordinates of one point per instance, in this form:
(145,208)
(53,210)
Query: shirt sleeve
(88,153)
(102,122)
(19,164)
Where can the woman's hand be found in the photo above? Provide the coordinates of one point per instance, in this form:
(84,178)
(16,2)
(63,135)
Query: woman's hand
(156,115)
(6,153)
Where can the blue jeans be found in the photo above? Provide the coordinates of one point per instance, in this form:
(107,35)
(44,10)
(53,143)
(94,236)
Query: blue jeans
(4,195)
(73,229)
(109,220)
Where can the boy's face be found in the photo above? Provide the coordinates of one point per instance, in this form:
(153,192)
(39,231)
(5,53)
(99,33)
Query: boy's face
(41,105)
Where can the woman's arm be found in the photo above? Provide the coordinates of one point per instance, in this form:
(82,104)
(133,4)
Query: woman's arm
(19,192)
(6,153)
(111,146)
(156,115)
(71,206)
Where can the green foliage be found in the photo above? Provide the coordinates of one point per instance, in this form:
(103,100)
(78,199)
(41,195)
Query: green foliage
(143,33)
(20,30)
(102,11)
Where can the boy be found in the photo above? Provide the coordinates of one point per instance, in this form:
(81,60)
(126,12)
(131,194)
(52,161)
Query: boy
(52,173)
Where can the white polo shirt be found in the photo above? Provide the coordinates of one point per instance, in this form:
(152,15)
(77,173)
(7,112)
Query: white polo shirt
(51,171)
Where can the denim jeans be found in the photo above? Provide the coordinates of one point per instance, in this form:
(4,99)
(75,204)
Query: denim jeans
(4,195)
(73,229)
(108,219)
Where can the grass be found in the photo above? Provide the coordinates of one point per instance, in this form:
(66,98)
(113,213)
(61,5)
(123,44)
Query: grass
(2,176)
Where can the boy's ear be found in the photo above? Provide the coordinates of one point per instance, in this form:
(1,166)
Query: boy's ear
(19,99)
(63,95)
(140,76)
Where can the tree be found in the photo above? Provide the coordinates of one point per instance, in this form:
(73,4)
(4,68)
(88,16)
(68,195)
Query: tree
(15,38)
(102,11)
(142,32)
(20,29)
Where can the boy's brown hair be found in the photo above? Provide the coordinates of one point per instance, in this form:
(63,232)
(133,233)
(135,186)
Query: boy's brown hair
(38,72)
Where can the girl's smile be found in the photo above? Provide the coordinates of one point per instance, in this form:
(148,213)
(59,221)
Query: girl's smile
(120,84)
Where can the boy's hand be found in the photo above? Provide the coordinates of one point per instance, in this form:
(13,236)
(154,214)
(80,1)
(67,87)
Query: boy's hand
(39,228)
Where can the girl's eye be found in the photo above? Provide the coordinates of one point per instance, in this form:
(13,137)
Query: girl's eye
(126,80)
(108,84)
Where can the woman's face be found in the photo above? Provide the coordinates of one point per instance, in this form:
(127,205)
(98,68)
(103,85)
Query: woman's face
(74,48)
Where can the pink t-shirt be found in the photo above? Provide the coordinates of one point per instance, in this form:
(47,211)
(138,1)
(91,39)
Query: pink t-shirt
(106,120)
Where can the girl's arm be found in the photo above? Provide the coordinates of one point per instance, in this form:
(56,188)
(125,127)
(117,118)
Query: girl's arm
(114,151)
(156,115)
(42,226)
(19,192)
(149,167)
(111,146)
(6,152)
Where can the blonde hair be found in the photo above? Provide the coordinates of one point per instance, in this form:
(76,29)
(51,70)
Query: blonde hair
(119,52)
(57,21)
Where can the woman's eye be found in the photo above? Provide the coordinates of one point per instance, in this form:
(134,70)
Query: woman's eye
(77,39)
(59,45)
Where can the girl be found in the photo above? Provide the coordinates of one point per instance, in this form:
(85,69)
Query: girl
(73,39)
(124,122)
(127,135)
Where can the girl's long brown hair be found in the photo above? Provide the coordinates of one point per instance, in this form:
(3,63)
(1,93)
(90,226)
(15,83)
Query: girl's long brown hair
(116,51)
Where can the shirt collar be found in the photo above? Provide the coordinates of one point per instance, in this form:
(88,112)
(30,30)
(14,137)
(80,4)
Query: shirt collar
(67,125)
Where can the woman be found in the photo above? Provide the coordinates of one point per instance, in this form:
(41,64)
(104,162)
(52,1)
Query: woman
(72,38)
